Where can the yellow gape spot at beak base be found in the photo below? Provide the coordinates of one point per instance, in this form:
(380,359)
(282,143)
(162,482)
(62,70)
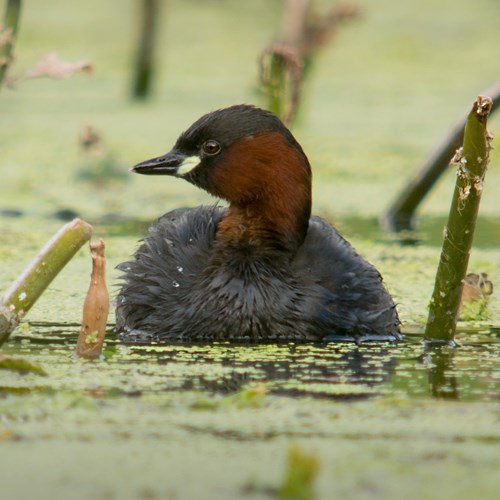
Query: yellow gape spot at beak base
(187,165)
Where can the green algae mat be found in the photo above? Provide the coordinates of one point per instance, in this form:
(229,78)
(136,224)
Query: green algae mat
(221,421)
(218,421)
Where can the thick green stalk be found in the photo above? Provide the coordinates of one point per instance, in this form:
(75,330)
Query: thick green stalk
(472,161)
(24,292)
(8,36)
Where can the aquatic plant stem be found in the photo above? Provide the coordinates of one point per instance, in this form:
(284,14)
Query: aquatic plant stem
(144,64)
(24,292)
(300,475)
(8,36)
(472,161)
(276,83)
(95,308)
(285,64)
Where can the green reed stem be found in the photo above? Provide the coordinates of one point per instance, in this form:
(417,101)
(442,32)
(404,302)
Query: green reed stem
(472,161)
(24,292)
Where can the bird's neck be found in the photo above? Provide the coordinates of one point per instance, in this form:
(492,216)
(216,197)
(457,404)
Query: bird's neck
(267,225)
(270,197)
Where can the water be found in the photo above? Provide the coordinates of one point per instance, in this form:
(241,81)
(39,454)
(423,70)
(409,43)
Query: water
(148,418)
(168,412)
(340,372)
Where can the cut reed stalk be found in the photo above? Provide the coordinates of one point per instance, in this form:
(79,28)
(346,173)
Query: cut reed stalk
(25,291)
(471,161)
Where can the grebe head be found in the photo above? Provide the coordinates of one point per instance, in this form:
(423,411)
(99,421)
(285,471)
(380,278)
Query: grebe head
(246,156)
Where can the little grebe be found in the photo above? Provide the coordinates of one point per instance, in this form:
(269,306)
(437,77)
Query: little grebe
(262,269)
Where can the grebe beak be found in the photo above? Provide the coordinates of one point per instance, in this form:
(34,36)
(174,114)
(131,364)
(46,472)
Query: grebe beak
(172,163)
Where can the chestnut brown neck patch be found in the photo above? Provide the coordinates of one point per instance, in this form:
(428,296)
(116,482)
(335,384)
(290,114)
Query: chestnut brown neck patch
(267,180)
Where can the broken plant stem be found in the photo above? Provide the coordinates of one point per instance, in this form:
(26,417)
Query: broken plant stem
(8,36)
(284,65)
(282,79)
(472,161)
(24,292)
(95,308)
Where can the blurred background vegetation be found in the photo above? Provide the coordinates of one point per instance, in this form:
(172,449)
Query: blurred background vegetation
(377,100)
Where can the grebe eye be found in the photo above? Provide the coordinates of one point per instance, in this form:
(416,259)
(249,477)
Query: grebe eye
(211,147)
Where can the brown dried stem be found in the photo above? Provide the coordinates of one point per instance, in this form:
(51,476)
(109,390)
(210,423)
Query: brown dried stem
(95,308)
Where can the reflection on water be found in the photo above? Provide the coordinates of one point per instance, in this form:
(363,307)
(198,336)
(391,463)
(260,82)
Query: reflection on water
(343,372)
(336,371)
(442,378)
